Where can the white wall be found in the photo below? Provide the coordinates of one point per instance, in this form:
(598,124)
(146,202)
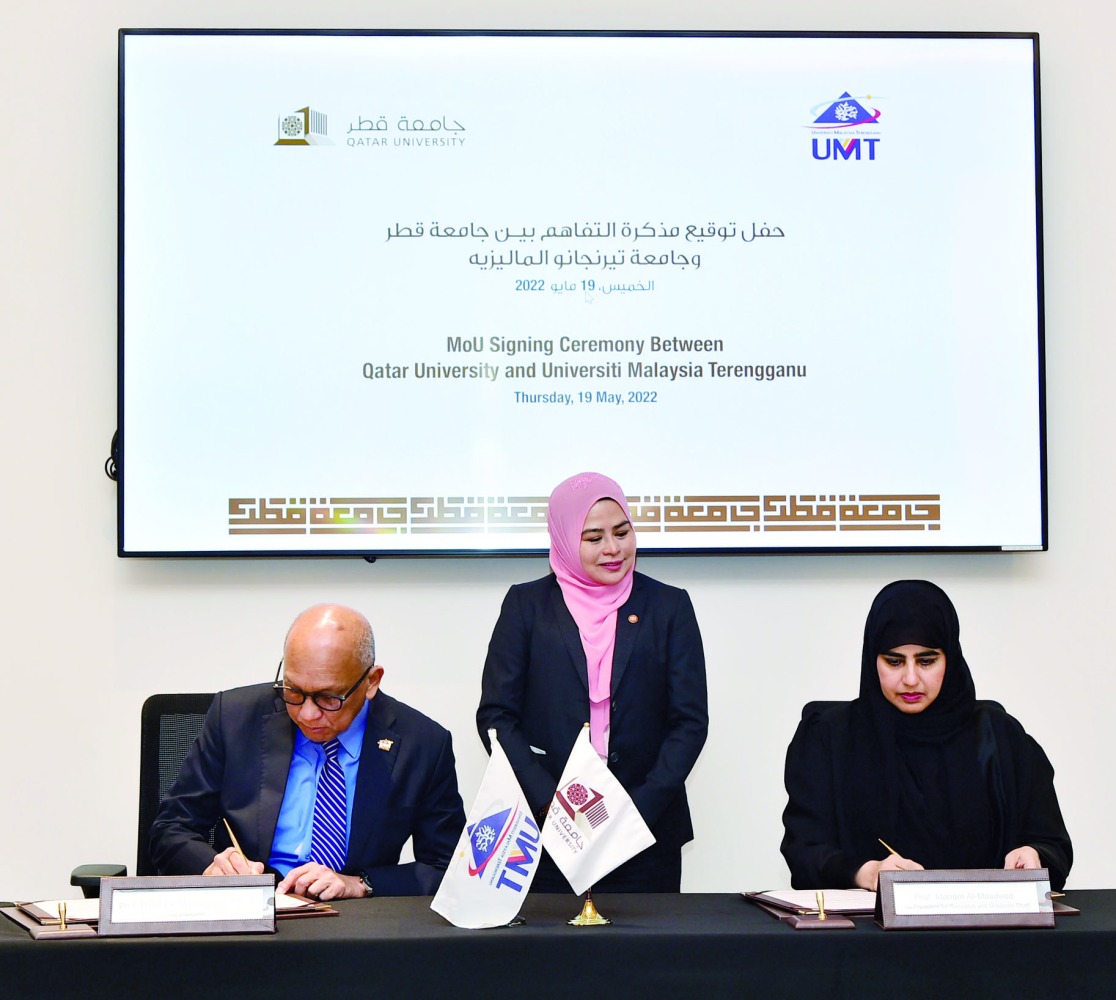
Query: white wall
(86,636)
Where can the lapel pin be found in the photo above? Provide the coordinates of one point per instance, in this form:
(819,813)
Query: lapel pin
(385,744)
(633,618)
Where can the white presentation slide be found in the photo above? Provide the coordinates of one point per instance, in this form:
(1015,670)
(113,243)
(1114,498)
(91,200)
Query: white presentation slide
(382,292)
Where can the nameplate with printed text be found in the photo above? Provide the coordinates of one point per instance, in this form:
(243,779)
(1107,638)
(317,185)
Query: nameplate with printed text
(976,897)
(190,904)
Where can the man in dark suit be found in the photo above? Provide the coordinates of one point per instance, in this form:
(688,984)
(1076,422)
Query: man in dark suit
(267,752)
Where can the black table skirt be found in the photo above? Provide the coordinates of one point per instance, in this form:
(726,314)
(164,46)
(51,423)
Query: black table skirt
(677,946)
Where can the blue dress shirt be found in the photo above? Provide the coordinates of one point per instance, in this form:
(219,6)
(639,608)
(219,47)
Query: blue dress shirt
(291,844)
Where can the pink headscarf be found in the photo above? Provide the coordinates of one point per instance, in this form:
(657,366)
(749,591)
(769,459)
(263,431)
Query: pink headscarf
(593,605)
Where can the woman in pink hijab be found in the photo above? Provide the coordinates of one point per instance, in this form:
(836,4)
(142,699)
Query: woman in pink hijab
(597,642)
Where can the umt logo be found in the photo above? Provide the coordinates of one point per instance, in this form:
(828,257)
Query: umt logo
(519,864)
(840,118)
(851,149)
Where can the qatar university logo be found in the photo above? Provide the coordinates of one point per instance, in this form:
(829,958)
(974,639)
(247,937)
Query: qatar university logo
(583,805)
(304,127)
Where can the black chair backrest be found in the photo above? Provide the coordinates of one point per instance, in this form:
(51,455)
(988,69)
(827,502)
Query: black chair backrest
(169,724)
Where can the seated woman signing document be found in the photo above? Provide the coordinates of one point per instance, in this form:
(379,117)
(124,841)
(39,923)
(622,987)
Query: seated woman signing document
(916,763)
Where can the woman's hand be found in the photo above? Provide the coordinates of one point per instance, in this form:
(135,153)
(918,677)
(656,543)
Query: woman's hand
(868,875)
(1023,857)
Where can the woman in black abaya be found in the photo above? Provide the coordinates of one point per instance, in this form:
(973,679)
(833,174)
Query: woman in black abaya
(918,763)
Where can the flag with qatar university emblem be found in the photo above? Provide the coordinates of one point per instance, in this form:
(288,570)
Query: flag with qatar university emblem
(592,825)
(497,853)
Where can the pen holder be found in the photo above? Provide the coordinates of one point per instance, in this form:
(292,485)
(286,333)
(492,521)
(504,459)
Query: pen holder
(812,922)
(71,931)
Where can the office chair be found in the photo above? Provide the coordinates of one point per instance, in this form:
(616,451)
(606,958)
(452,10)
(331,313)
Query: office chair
(169,724)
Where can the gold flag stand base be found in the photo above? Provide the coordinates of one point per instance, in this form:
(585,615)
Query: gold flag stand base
(589,917)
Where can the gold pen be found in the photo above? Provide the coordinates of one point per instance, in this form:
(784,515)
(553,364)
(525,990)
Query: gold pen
(820,897)
(235,843)
(62,915)
(891,850)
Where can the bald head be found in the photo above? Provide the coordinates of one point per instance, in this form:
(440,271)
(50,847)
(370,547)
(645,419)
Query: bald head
(333,625)
(329,649)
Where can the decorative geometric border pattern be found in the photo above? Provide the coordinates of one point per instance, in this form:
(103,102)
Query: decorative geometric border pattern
(462,515)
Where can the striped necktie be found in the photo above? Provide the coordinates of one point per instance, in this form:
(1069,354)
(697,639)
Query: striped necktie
(327,842)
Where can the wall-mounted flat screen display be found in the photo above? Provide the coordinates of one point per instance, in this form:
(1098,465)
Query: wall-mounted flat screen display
(381,291)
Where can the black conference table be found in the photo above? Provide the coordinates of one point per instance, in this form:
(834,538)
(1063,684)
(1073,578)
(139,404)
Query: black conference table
(691,945)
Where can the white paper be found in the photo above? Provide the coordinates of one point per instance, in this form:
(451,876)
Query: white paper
(81,910)
(836,900)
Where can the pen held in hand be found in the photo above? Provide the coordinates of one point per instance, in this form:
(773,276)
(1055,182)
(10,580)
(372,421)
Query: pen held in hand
(891,850)
(232,837)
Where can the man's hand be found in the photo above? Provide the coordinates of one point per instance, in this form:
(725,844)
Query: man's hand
(320,882)
(231,862)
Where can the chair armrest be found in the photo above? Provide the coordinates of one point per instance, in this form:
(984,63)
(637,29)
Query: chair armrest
(88,877)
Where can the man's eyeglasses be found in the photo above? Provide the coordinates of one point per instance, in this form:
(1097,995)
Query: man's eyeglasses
(323,699)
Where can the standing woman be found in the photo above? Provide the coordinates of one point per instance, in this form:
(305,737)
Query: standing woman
(597,642)
(916,761)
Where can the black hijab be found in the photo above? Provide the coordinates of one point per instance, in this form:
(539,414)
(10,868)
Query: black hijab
(917,613)
(918,774)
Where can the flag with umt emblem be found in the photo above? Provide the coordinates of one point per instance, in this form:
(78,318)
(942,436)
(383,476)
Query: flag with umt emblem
(497,853)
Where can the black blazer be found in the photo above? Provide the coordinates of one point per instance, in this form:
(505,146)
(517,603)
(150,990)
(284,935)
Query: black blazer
(238,769)
(535,694)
